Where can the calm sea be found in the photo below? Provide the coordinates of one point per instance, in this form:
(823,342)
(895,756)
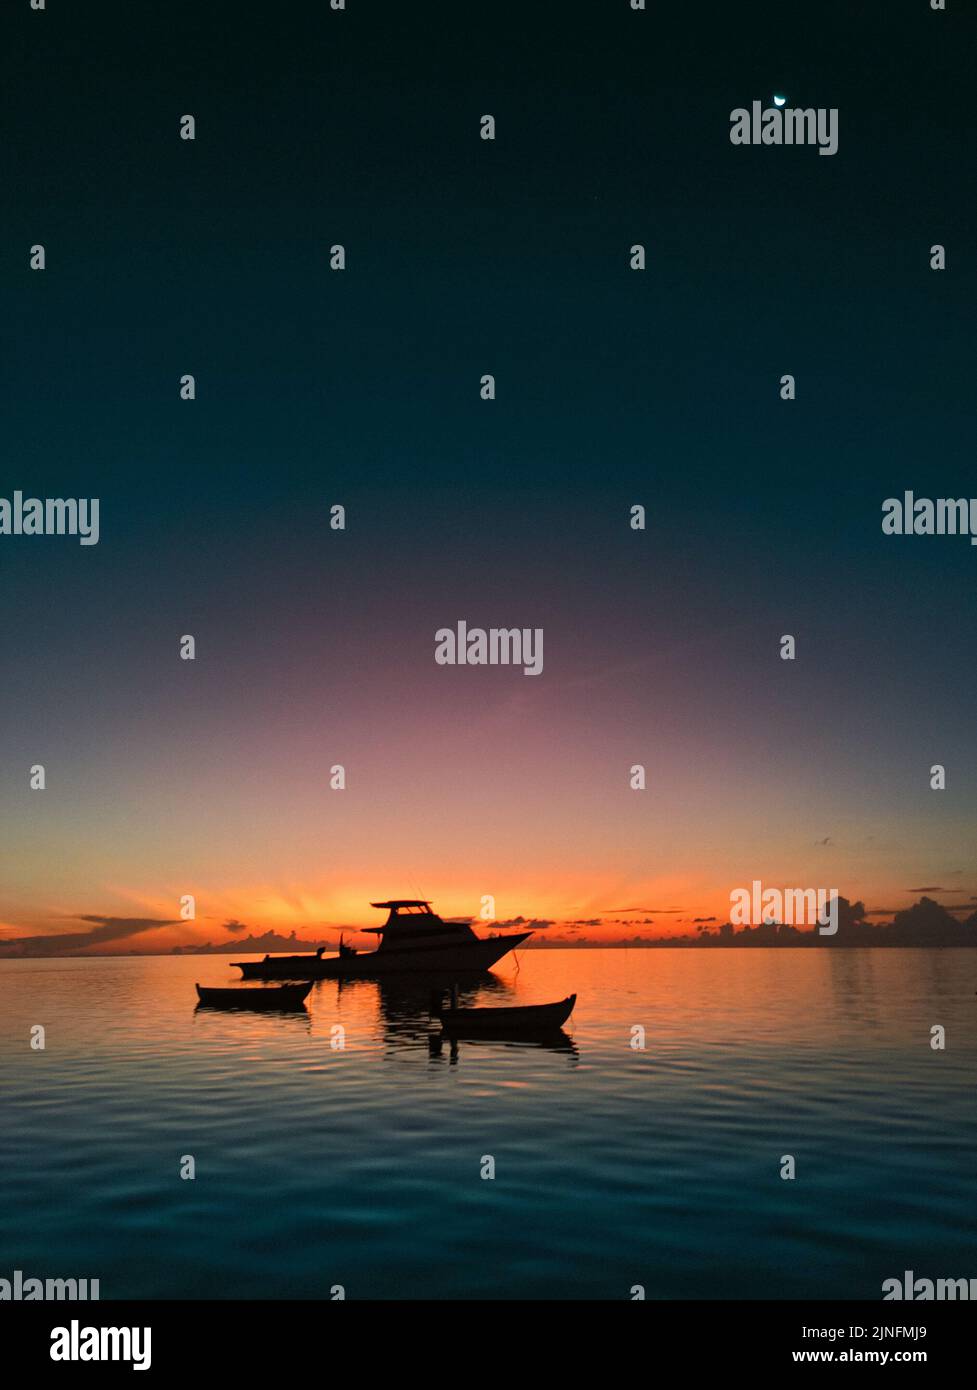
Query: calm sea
(318,1166)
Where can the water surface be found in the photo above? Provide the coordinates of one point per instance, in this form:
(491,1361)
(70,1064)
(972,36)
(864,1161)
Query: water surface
(361,1166)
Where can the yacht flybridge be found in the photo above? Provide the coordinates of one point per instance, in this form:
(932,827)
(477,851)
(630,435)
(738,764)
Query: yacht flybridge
(413,939)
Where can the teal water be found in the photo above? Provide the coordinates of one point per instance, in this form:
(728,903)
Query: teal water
(361,1166)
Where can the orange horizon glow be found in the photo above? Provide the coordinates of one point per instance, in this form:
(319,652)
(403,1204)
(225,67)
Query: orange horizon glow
(586,910)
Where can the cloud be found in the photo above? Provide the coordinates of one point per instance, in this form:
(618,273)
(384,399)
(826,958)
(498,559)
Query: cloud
(105,930)
(235,926)
(533,923)
(933,888)
(609,910)
(825,841)
(895,911)
(704,919)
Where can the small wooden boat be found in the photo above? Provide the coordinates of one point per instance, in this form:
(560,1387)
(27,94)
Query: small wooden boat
(525,1018)
(268,997)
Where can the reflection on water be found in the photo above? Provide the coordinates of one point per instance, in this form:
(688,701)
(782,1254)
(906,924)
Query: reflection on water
(451,1048)
(402,1008)
(344,1143)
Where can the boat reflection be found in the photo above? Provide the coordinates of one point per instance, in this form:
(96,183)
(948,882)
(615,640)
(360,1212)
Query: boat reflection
(403,1012)
(258,1026)
(444,1046)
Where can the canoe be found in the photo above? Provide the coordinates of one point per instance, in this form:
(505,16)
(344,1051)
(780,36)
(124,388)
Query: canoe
(527,1018)
(270,997)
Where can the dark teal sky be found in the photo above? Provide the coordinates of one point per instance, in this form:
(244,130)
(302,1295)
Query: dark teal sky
(510,257)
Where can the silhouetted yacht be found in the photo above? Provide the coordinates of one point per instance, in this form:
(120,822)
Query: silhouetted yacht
(413,939)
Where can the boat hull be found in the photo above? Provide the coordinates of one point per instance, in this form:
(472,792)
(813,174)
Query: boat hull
(531,1018)
(290,968)
(278,997)
(389,960)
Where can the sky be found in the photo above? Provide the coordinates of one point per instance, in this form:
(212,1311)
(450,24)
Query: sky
(315,647)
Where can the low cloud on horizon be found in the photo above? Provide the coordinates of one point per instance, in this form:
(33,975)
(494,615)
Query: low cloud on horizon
(534,923)
(107,929)
(609,910)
